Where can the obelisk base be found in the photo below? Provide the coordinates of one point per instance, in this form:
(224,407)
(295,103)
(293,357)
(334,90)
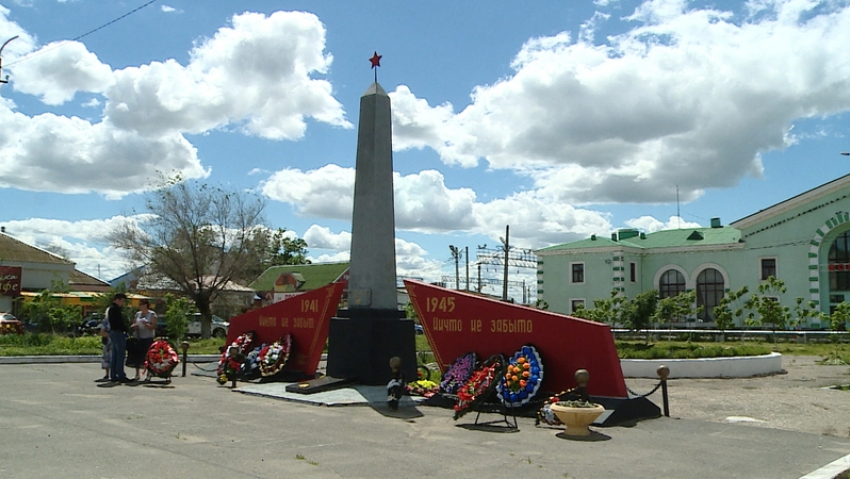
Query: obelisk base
(360,346)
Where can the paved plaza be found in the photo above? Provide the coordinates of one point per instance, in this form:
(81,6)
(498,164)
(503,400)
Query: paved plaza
(54,422)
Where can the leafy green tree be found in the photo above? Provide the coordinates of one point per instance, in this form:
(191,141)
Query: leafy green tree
(803,312)
(48,313)
(766,303)
(637,313)
(267,248)
(838,319)
(176,319)
(197,236)
(604,310)
(674,309)
(724,315)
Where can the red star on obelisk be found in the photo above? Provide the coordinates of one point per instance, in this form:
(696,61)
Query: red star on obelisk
(376,62)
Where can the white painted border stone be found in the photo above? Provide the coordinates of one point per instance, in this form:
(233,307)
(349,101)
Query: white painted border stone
(726,367)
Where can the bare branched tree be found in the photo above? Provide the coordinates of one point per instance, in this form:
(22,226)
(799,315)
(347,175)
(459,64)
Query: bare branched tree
(196,236)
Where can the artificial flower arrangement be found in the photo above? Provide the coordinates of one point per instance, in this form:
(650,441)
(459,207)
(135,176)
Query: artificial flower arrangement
(423,387)
(231,359)
(480,385)
(458,373)
(161,359)
(522,378)
(546,415)
(273,357)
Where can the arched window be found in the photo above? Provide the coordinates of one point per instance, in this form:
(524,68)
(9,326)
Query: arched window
(839,258)
(672,283)
(710,290)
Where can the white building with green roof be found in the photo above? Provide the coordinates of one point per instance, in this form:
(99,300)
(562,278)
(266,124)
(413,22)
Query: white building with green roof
(804,241)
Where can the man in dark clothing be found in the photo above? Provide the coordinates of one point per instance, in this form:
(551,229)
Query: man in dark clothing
(117,329)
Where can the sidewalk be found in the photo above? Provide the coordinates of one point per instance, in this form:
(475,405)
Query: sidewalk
(55,422)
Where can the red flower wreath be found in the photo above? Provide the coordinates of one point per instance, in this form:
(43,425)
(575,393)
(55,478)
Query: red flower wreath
(161,358)
(480,385)
(273,357)
(227,365)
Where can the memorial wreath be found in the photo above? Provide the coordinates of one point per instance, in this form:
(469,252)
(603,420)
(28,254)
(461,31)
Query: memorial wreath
(161,359)
(273,357)
(480,385)
(522,378)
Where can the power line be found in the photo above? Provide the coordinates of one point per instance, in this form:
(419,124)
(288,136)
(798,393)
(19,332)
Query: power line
(27,57)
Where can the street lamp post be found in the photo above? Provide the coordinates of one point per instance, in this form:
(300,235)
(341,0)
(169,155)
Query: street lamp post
(4,80)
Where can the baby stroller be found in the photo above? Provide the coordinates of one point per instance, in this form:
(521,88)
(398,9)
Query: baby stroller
(161,359)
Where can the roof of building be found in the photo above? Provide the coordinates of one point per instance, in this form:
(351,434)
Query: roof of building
(80,281)
(679,238)
(15,251)
(315,275)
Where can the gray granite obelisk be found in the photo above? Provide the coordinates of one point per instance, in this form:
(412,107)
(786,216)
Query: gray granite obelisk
(363,339)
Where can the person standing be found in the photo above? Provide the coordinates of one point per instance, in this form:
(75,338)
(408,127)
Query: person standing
(117,329)
(144,327)
(106,357)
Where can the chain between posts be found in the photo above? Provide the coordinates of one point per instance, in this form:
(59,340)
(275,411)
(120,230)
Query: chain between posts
(663,373)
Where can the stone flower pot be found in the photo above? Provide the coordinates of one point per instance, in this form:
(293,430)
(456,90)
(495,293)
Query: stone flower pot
(576,419)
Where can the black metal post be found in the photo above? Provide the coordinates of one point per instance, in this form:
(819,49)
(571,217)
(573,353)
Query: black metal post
(663,372)
(185,346)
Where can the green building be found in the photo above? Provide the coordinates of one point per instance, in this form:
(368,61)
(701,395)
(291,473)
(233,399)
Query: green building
(803,241)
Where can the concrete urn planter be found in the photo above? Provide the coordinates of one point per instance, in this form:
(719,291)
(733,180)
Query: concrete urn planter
(576,419)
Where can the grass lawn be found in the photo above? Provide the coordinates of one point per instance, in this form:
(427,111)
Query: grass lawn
(42,344)
(52,344)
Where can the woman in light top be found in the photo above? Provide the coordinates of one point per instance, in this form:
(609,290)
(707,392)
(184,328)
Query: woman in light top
(144,329)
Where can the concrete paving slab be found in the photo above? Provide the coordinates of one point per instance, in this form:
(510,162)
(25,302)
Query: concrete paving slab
(346,396)
(55,422)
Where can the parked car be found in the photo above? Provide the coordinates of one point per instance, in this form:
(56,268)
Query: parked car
(9,324)
(419,329)
(90,325)
(219,326)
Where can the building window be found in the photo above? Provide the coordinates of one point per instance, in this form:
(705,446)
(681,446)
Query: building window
(839,260)
(768,268)
(576,304)
(672,283)
(710,290)
(578,272)
(632,272)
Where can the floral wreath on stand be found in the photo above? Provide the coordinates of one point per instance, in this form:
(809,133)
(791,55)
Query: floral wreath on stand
(458,373)
(480,385)
(231,359)
(161,359)
(522,378)
(273,357)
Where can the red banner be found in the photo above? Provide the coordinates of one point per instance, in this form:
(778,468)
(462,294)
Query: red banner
(456,323)
(10,280)
(306,317)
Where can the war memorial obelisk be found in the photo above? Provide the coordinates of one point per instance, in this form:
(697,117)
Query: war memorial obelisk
(362,340)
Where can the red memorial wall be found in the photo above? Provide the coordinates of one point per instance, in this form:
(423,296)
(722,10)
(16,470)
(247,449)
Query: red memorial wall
(306,317)
(457,322)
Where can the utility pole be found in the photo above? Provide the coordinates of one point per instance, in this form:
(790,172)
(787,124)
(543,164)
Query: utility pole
(466,254)
(456,255)
(479,277)
(506,242)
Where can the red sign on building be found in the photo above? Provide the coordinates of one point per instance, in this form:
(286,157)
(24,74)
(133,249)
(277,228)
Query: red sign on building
(457,323)
(306,317)
(10,280)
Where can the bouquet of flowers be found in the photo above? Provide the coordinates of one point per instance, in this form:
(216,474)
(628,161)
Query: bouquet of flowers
(231,359)
(480,385)
(423,387)
(273,357)
(545,413)
(161,359)
(522,378)
(458,373)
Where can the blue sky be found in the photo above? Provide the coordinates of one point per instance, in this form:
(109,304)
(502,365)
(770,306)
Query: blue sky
(562,119)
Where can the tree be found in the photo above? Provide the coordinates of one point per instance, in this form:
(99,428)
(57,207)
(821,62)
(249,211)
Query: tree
(176,317)
(838,319)
(803,311)
(267,248)
(676,308)
(637,313)
(766,304)
(724,315)
(197,236)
